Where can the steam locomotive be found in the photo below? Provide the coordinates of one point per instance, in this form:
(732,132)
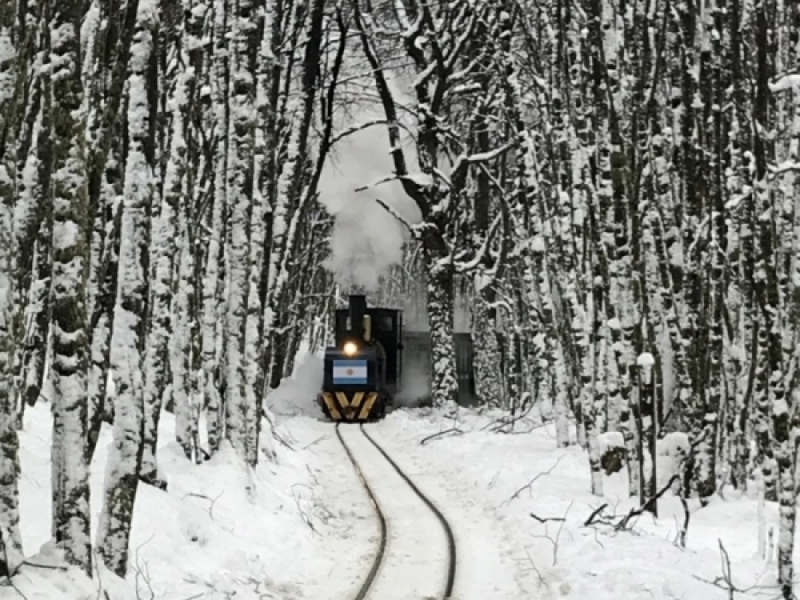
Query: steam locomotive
(363,371)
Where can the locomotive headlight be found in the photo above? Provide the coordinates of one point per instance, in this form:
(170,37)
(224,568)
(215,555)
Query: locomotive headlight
(350,348)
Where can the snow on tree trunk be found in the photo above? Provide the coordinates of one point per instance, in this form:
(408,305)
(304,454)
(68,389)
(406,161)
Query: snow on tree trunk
(107,219)
(253,346)
(71,516)
(785,432)
(33,217)
(170,329)
(182,348)
(10,536)
(783,218)
(99,302)
(160,323)
(560,388)
(588,400)
(240,408)
(486,362)
(106,158)
(649,430)
(212,310)
(294,194)
(439,279)
(130,318)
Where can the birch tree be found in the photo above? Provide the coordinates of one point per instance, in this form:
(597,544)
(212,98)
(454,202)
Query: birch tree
(71,517)
(10,536)
(435,66)
(128,338)
(240,409)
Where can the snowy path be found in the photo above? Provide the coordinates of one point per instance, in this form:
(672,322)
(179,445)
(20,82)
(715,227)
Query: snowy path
(416,558)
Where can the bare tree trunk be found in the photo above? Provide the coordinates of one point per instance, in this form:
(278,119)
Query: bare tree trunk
(128,337)
(71,515)
(10,535)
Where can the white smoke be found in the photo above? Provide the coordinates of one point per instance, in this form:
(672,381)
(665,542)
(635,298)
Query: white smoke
(366,239)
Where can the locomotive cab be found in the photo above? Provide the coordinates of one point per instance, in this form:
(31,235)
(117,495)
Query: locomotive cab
(362,371)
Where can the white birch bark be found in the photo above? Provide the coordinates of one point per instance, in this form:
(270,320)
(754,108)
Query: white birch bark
(240,406)
(10,536)
(212,310)
(130,314)
(254,357)
(32,217)
(163,251)
(71,517)
(187,405)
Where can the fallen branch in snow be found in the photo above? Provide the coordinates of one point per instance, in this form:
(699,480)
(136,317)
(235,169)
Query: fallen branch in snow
(636,512)
(508,421)
(595,514)
(8,574)
(204,497)
(278,438)
(725,581)
(305,515)
(316,441)
(14,587)
(38,566)
(554,541)
(623,523)
(684,530)
(546,519)
(535,569)
(532,481)
(275,435)
(452,430)
(143,573)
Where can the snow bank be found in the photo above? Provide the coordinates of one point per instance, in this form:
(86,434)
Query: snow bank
(519,507)
(220,529)
(301,526)
(297,395)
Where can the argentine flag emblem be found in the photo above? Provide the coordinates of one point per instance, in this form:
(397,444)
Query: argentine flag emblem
(349,372)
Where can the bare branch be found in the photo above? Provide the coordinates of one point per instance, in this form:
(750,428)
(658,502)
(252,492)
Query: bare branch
(532,481)
(397,216)
(452,430)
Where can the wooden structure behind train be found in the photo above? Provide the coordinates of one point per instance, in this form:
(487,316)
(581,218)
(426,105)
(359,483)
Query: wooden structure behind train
(374,362)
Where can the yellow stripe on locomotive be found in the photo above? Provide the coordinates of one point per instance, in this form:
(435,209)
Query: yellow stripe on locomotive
(340,406)
(362,371)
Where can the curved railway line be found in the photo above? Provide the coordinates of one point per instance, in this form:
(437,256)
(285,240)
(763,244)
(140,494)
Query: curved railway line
(392,510)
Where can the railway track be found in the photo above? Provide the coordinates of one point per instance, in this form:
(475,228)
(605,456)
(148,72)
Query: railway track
(409,564)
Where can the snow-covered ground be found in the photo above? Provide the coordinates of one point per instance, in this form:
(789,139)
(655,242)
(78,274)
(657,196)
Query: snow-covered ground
(490,486)
(306,529)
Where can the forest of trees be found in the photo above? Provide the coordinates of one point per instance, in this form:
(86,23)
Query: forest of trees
(612,186)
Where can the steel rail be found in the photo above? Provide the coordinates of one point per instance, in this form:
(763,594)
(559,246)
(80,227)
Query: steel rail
(364,589)
(451,542)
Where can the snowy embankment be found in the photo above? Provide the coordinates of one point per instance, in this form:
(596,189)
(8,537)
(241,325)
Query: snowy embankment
(517,505)
(301,533)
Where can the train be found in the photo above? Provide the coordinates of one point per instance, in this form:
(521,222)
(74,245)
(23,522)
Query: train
(362,371)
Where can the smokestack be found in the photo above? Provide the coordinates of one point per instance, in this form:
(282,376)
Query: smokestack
(358,308)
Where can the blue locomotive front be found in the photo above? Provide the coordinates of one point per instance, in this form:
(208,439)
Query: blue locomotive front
(362,370)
